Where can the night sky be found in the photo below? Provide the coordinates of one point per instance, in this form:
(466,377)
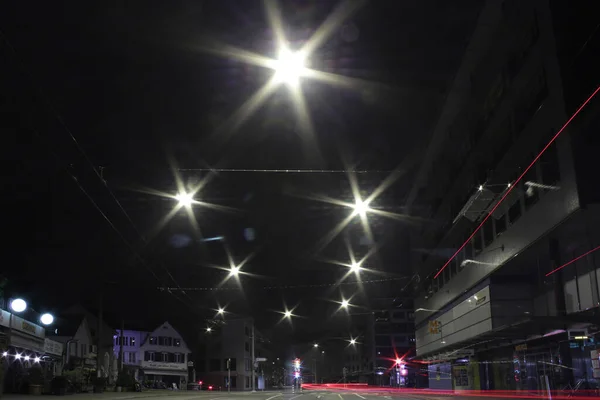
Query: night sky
(108,104)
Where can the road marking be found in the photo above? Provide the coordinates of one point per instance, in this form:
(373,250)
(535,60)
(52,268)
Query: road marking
(388,397)
(292,398)
(277,395)
(340,396)
(356,394)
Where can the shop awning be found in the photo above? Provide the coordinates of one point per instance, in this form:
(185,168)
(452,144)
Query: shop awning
(164,372)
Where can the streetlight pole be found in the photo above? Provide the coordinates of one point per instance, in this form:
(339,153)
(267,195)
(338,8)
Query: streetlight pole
(229,375)
(253,359)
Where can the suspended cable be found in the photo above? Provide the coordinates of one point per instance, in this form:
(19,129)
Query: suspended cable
(315,285)
(288,171)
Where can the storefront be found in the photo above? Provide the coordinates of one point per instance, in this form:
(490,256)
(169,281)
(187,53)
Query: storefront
(169,373)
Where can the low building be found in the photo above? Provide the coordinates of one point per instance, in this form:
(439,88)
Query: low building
(157,356)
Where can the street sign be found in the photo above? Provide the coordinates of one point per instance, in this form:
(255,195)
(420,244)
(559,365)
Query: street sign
(260,359)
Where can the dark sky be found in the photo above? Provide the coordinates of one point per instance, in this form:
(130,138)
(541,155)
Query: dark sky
(129,90)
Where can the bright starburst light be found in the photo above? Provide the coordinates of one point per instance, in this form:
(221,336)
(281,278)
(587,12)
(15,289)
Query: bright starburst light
(290,66)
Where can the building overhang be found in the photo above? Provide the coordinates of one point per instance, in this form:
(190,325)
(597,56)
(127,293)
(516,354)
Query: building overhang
(509,335)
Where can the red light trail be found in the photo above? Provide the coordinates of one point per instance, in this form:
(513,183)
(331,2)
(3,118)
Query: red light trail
(518,180)
(573,260)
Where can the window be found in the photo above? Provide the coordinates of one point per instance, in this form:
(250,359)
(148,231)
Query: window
(84,348)
(247,331)
(531,191)
(132,341)
(488,233)
(500,224)
(149,356)
(549,165)
(178,358)
(177,343)
(514,212)
(248,364)
(247,346)
(477,245)
(214,365)
(382,340)
(131,357)
(93,349)
(153,340)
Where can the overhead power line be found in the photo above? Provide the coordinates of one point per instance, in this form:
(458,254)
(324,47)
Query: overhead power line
(276,287)
(289,171)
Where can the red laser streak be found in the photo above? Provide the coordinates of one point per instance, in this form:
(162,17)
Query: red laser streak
(519,179)
(573,260)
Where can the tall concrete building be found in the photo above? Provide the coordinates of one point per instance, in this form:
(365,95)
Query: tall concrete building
(232,341)
(521,293)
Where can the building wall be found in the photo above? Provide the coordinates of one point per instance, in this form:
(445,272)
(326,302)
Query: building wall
(232,340)
(498,242)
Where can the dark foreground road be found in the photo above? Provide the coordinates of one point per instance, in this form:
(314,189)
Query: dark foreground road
(311,394)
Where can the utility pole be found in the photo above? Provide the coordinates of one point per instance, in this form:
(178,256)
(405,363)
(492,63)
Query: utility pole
(99,337)
(121,342)
(315,370)
(229,375)
(253,359)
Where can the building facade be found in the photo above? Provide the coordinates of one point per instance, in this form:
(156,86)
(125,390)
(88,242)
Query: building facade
(521,290)
(232,341)
(158,356)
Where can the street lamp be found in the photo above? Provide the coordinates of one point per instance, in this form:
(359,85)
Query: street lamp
(289,66)
(234,271)
(316,345)
(209,329)
(352,341)
(345,303)
(361,207)
(220,311)
(18,305)
(287,314)
(185,199)
(47,319)
(355,267)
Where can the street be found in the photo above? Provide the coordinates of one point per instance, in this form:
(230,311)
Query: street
(315,394)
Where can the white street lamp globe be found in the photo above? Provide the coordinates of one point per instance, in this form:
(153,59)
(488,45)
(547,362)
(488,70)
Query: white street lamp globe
(185,199)
(18,305)
(345,303)
(289,67)
(47,319)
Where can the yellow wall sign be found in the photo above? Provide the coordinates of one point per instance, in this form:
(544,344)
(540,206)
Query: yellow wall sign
(434,327)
